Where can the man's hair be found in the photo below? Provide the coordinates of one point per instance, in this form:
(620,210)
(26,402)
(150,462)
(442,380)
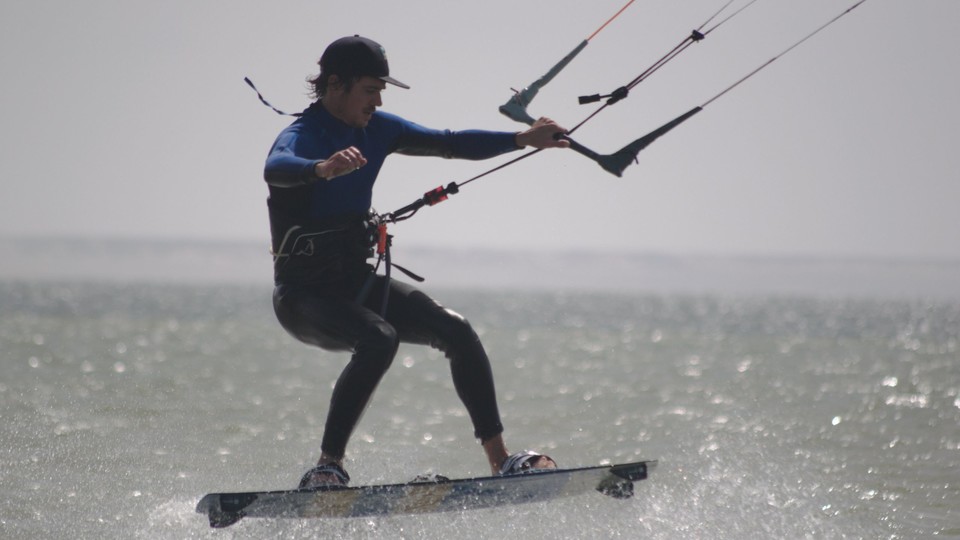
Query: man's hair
(319,84)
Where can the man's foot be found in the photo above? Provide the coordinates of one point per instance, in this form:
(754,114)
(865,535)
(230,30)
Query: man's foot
(526,462)
(328,474)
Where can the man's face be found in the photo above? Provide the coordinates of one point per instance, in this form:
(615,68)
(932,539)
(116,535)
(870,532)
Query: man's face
(356,106)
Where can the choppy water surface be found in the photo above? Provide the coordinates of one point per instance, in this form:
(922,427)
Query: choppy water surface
(771,417)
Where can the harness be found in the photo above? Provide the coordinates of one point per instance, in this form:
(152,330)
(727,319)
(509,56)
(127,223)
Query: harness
(364,237)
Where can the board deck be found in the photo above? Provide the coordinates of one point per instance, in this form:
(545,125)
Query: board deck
(441,495)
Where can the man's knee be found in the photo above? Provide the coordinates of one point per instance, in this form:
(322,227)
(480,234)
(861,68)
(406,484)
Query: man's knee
(378,342)
(456,332)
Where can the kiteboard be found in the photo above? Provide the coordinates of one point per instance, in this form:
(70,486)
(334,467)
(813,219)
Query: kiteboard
(437,494)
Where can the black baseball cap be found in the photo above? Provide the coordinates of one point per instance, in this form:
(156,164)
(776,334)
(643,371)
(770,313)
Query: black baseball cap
(357,56)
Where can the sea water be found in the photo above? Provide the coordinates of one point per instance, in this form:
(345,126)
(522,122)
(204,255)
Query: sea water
(122,402)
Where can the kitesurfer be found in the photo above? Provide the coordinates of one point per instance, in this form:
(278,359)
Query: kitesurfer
(320,173)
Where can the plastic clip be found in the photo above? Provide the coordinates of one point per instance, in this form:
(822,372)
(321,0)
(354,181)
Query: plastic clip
(439,194)
(618,94)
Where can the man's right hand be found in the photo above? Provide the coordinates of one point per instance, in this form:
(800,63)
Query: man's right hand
(343,162)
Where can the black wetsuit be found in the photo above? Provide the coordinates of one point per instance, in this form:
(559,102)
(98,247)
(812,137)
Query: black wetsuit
(321,242)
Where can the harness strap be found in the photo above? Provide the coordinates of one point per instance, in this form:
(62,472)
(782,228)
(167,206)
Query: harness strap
(384,241)
(386,279)
(408,273)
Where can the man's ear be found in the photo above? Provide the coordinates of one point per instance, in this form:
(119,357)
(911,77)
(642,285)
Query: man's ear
(334,83)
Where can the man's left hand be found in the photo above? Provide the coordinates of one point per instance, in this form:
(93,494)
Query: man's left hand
(544,133)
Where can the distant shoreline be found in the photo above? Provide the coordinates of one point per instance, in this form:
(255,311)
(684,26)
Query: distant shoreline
(241,262)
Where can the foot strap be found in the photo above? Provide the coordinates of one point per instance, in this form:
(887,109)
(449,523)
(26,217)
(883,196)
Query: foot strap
(522,463)
(326,468)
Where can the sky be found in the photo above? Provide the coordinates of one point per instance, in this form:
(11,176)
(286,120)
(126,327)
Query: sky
(130,119)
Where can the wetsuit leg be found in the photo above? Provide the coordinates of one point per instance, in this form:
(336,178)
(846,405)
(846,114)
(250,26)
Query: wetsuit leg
(421,320)
(336,323)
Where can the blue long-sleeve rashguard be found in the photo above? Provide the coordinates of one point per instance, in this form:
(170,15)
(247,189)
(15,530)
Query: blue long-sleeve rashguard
(298,197)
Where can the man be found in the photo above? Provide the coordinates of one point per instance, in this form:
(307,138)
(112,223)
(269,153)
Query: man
(320,173)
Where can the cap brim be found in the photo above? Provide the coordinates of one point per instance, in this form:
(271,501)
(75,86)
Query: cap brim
(391,80)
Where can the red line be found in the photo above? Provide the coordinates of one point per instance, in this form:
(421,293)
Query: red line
(610,20)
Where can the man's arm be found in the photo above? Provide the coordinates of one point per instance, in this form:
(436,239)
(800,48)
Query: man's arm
(474,144)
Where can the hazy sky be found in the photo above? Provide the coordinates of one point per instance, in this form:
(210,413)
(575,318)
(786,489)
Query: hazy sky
(131,118)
